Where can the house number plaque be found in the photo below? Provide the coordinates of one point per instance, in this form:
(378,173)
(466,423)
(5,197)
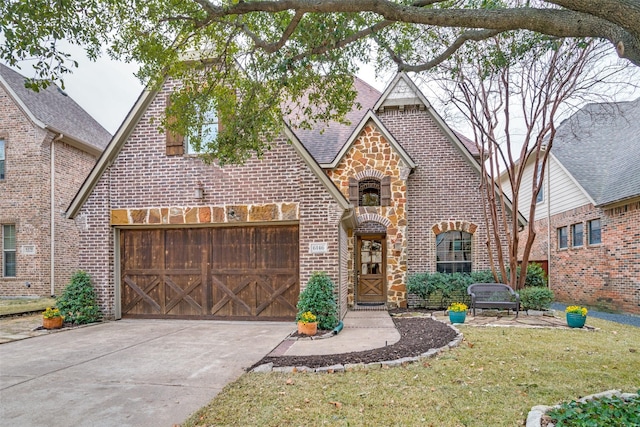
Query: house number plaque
(318,248)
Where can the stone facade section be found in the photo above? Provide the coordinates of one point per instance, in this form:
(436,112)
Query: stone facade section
(605,275)
(279,185)
(372,156)
(202,214)
(25,201)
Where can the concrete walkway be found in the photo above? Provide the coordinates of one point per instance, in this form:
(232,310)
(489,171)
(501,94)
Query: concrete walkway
(363,330)
(127,373)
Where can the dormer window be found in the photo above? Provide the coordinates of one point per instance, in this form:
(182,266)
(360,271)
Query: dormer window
(369,192)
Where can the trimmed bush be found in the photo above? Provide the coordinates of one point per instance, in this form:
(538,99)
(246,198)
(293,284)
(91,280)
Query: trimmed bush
(536,298)
(535,276)
(78,303)
(318,298)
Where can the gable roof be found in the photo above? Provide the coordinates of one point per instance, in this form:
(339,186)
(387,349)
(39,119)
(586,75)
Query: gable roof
(324,143)
(600,147)
(128,126)
(403,91)
(371,116)
(54,110)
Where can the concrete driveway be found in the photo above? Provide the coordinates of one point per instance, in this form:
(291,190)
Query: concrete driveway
(129,372)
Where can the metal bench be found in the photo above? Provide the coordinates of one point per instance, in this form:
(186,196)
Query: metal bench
(493,295)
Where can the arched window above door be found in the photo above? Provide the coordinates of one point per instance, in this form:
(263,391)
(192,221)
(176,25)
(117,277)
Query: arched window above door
(370,191)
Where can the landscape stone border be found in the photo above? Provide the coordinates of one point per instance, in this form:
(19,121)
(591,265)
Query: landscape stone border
(268,367)
(534,418)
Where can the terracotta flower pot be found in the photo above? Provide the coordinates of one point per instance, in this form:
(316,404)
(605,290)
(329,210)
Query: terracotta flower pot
(310,328)
(52,322)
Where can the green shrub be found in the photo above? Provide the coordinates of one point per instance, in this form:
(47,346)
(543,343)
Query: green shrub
(535,276)
(78,302)
(318,298)
(604,411)
(484,276)
(536,298)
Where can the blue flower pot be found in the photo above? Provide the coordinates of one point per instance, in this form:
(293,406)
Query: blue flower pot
(575,320)
(457,316)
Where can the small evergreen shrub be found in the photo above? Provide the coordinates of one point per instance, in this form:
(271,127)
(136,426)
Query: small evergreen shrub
(78,303)
(318,298)
(535,276)
(536,298)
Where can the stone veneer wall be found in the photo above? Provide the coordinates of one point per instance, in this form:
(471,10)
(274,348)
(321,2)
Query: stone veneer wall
(605,275)
(371,155)
(144,186)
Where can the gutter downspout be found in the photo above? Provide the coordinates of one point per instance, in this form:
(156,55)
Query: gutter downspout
(348,219)
(549,222)
(52,227)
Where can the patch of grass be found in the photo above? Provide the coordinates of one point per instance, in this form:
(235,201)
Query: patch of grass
(23,305)
(492,379)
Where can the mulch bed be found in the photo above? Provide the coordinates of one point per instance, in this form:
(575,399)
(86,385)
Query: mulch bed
(417,336)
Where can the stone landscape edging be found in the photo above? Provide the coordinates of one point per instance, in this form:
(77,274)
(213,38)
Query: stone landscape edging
(268,367)
(534,418)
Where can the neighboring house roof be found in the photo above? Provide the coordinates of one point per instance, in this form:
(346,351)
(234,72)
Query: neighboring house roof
(54,110)
(324,142)
(600,147)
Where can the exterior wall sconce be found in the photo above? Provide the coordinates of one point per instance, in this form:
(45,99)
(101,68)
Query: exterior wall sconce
(198,193)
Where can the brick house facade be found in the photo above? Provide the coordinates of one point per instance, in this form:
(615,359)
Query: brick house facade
(593,208)
(44,137)
(365,203)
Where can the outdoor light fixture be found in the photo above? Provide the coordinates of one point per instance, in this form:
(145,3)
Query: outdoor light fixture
(198,193)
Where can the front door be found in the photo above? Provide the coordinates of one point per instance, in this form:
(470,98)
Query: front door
(371,270)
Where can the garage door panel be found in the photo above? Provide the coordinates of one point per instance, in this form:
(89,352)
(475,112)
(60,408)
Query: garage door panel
(235,272)
(144,248)
(141,294)
(233,248)
(285,239)
(186,248)
(184,294)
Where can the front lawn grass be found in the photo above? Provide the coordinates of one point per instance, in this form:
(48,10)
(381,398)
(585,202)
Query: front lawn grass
(492,379)
(23,305)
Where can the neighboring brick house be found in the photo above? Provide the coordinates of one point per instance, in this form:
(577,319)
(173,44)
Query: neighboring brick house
(591,198)
(395,192)
(48,145)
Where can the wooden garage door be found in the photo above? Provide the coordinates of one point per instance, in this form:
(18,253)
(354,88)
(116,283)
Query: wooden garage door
(225,273)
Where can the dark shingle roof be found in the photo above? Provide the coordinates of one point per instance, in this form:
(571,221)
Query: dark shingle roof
(57,110)
(600,147)
(469,144)
(325,142)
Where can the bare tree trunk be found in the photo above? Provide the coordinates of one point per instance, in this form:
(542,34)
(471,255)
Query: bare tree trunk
(542,81)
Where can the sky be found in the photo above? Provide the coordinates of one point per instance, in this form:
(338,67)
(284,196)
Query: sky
(108,89)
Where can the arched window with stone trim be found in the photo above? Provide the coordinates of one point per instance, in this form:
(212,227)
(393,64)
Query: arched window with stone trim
(370,191)
(453,252)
